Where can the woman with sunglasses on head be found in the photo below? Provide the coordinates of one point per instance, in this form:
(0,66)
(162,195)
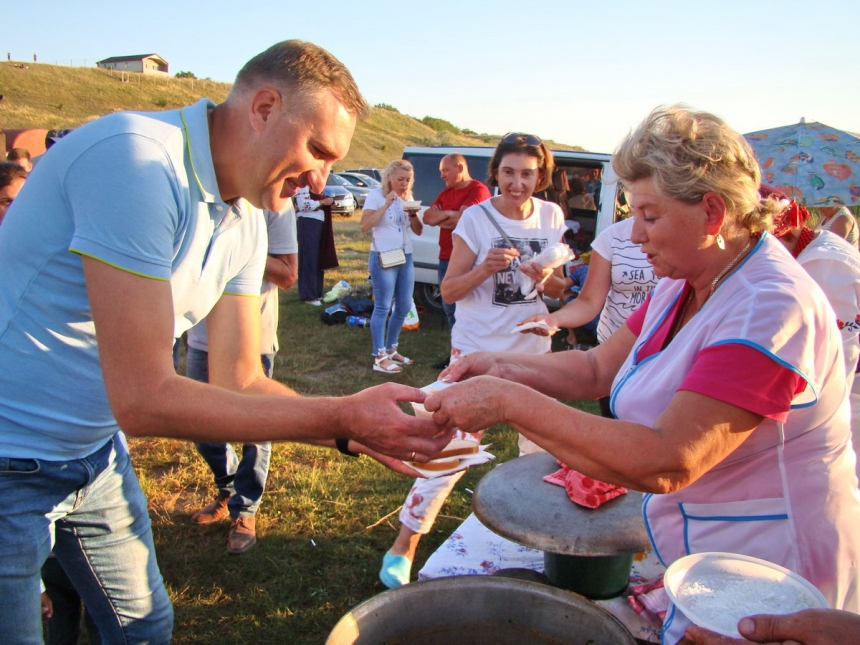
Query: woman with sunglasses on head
(393,279)
(839,220)
(493,243)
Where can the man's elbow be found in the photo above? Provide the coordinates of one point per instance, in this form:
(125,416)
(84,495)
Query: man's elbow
(137,421)
(290,280)
(284,280)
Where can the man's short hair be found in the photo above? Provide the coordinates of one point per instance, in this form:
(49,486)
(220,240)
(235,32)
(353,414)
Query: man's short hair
(302,66)
(10,171)
(16,154)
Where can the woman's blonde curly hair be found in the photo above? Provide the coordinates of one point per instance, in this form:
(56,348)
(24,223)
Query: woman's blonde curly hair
(689,153)
(397,164)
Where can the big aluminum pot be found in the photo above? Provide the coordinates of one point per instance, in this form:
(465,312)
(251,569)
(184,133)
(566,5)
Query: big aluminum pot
(479,609)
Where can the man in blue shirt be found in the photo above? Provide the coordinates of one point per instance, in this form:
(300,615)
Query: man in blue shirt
(132,229)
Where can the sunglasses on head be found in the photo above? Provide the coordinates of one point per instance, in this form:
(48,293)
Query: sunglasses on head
(517,137)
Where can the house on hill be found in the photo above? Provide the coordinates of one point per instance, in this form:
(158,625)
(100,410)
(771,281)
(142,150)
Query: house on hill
(141,64)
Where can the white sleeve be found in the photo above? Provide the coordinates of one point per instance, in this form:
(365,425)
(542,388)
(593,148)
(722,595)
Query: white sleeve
(374,200)
(602,244)
(281,228)
(466,228)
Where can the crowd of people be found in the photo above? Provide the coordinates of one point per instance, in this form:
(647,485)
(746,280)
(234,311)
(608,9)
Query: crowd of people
(724,363)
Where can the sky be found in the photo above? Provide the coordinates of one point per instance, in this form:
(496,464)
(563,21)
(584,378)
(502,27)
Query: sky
(580,73)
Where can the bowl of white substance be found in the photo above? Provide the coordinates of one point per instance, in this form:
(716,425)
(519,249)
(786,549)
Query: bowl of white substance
(716,590)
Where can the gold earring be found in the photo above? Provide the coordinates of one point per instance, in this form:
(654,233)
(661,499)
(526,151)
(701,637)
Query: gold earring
(720,242)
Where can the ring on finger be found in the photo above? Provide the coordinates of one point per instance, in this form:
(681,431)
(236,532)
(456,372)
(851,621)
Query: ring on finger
(412,458)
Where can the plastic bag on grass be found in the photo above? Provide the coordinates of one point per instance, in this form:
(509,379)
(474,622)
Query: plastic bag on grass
(411,323)
(336,291)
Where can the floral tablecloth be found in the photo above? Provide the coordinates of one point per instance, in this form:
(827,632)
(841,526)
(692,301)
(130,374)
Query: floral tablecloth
(474,550)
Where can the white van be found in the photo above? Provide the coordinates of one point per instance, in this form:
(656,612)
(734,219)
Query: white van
(428,184)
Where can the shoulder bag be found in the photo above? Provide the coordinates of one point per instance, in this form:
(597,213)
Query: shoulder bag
(394,257)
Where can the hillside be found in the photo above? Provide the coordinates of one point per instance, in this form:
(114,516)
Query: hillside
(56,97)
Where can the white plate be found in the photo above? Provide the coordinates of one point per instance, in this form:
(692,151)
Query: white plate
(415,204)
(715,590)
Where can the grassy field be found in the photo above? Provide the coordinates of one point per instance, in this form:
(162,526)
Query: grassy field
(57,97)
(325,520)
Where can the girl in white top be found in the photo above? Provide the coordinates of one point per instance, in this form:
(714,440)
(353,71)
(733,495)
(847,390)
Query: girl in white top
(390,223)
(490,310)
(482,280)
(839,220)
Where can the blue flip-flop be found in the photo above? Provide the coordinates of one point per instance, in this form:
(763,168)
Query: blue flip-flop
(395,570)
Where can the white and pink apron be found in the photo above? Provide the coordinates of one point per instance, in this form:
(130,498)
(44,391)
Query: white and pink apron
(789,493)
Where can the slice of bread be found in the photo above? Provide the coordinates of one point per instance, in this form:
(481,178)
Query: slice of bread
(438,464)
(459,447)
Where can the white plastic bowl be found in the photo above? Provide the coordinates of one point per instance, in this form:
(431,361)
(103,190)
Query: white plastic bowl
(715,590)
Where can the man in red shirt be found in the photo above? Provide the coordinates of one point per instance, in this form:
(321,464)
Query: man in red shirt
(461,191)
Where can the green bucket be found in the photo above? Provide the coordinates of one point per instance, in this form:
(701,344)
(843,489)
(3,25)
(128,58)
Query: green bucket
(595,577)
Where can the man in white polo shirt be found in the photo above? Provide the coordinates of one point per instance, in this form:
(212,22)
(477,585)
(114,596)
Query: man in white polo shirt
(132,230)
(241,482)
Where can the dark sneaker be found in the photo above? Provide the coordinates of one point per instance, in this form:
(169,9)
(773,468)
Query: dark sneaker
(242,535)
(213,512)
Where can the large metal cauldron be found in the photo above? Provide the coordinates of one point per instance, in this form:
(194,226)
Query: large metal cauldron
(478,609)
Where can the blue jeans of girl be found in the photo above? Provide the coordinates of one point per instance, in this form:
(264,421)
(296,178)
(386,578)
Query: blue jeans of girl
(390,286)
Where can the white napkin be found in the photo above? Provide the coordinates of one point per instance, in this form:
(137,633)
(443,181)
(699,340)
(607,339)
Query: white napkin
(533,325)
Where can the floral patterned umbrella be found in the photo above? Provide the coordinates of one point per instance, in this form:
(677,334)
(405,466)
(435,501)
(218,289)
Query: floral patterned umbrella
(810,162)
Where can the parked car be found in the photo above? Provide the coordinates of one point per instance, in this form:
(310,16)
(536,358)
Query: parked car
(360,180)
(358,192)
(344,202)
(428,185)
(370,172)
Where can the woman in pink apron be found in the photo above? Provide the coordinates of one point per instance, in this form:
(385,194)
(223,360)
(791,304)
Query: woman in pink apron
(728,383)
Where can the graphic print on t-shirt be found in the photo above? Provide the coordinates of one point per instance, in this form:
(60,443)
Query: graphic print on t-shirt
(634,279)
(507,283)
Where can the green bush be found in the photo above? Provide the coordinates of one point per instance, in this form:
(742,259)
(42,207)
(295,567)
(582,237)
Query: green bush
(441,125)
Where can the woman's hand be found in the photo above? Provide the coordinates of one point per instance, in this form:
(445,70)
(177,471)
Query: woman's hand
(536,272)
(391,198)
(470,406)
(546,319)
(499,259)
(472,365)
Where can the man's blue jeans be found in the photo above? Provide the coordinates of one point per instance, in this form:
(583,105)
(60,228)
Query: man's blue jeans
(394,284)
(242,481)
(93,512)
(448,307)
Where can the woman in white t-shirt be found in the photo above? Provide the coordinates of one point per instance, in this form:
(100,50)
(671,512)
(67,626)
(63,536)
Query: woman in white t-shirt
(389,222)
(483,279)
(619,280)
(839,220)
